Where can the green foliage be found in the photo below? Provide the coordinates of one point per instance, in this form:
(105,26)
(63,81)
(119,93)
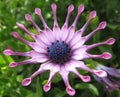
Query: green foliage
(88,87)
(12,11)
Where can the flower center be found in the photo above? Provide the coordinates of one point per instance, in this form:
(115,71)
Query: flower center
(59,52)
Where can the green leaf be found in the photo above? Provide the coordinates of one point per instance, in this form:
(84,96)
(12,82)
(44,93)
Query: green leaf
(39,91)
(9,59)
(60,94)
(2,61)
(90,87)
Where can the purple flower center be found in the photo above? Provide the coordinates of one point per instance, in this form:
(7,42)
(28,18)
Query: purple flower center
(59,52)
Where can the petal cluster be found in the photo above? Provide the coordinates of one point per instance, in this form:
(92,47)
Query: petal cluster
(70,39)
(112,81)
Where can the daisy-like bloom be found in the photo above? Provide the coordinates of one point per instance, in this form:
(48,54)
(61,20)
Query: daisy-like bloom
(61,49)
(112,81)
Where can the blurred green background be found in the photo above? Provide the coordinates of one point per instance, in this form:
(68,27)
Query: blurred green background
(12,11)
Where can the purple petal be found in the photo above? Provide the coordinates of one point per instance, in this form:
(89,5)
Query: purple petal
(64,75)
(26,81)
(105,55)
(80,10)
(70,9)
(102,25)
(100,73)
(28,17)
(38,12)
(92,15)
(47,87)
(78,44)
(110,41)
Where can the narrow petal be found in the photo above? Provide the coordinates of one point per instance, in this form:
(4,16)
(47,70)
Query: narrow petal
(28,54)
(110,41)
(29,61)
(33,60)
(53,72)
(105,55)
(25,29)
(43,68)
(101,26)
(28,17)
(38,12)
(80,10)
(54,8)
(64,30)
(71,67)
(16,35)
(47,32)
(56,28)
(86,78)
(64,75)
(81,65)
(92,15)
(79,33)
(33,45)
(70,9)
(73,26)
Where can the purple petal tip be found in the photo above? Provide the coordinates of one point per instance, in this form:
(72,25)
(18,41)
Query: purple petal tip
(26,81)
(110,41)
(100,73)
(38,11)
(71,8)
(15,34)
(28,17)
(102,25)
(46,87)
(70,91)
(20,25)
(81,8)
(13,64)
(86,79)
(106,55)
(92,14)
(53,6)
(7,52)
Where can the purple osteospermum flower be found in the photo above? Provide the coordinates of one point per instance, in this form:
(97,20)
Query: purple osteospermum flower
(60,50)
(112,81)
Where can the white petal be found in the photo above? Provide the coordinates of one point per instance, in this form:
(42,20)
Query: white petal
(44,39)
(71,32)
(80,53)
(56,32)
(76,38)
(79,43)
(64,33)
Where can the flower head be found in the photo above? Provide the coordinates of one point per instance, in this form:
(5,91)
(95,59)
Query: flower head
(60,50)
(112,81)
